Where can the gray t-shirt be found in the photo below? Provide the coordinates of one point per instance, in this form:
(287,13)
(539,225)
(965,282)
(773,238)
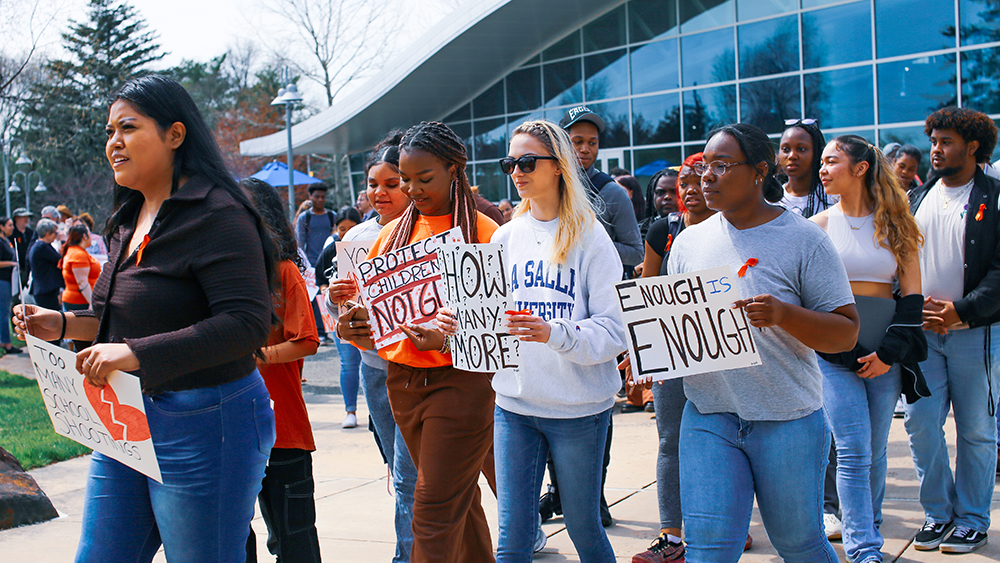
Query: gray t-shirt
(796,263)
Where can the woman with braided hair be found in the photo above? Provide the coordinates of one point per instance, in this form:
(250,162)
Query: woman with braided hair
(798,161)
(445,415)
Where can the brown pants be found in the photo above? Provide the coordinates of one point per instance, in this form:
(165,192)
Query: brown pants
(446,418)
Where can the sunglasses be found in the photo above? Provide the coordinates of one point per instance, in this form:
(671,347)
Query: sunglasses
(526,163)
(796,121)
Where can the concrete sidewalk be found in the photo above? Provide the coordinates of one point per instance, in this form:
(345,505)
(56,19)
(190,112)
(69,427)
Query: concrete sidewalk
(355,511)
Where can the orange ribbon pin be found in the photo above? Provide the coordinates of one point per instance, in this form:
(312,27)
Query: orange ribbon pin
(138,251)
(743,269)
(979,214)
(670,241)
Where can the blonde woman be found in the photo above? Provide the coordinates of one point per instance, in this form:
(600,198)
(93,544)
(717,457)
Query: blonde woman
(564,267)
(878,241)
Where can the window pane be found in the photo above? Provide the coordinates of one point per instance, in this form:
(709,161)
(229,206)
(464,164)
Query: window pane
(708,57)
(615,116)
(490,139)
(753,9)
(841,98)
(524,89)
(461,114)
(901,29)
(491,181)
(656,119)
(607,75)
(514,121)
(909,136)
(769,47)
(489,102)
(980,21)
(981,80)
(911,90)
(705,14)
(768,103)
(706,109)
(651,19)
(563,83)
(357,161)
(654,67)
(815,3)
(606,32)
(533,60)
(838,35)
(565,48)
(464,132)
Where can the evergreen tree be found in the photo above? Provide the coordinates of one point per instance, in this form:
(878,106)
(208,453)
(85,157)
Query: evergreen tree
(64,120)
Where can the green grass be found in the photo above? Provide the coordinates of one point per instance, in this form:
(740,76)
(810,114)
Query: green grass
(25,427)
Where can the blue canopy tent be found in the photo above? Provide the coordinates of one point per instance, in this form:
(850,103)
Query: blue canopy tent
(276,174)
(651,168)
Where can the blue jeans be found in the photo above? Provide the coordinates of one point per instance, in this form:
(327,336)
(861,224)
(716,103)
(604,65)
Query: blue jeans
(956,375)
(522,444)
(212,445)
(350,359)
(726,460)
(5,310)
(860,412)
(404,474)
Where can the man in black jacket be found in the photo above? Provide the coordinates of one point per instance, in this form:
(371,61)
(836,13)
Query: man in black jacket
(957,210)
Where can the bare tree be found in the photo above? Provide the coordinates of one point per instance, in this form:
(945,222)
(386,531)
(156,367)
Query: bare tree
(23,24)
(344,39)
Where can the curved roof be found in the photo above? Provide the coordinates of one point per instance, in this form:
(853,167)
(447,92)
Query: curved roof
(456,60)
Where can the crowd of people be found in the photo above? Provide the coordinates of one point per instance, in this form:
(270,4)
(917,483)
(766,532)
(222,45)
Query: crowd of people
(868,286)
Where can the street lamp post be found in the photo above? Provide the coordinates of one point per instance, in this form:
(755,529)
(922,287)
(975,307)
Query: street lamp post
(6,150)
(288,97)
(39,187)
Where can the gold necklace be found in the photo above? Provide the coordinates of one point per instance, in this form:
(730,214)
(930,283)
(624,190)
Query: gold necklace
(858,228)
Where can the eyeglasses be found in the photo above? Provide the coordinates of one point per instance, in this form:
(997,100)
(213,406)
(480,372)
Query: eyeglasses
(526,163)
(717,167)
(796,121)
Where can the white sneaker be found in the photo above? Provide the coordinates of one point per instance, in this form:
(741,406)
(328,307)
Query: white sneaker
(350,421)
(833,526)
(540,538)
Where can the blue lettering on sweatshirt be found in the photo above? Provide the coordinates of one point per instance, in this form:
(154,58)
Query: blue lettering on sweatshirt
(537,275)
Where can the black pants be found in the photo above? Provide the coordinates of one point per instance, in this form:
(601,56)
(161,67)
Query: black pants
(288,507)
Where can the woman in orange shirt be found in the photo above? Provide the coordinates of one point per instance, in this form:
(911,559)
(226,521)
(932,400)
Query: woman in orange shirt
(80,272)
(445,415)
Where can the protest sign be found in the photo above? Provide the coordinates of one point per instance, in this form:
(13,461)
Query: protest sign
(309,276)
(329,321)
(476,288)
(111,420)
(403,287)
(684,325)
(349,255)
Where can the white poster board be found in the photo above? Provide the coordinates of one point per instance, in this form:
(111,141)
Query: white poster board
(685,324)
(309,276)
(349,255)
(403,287)
(477,289)
(111,420)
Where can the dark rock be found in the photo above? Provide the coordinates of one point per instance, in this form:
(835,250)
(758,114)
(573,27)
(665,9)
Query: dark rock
(21,501)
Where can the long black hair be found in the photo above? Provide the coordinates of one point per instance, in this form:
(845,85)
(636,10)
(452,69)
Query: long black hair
(638,203)
(757,148)
(817,200)
(651,187)
(274,213)
(166,102)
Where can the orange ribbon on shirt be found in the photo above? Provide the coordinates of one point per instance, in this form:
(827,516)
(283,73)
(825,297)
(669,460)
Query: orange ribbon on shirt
(670,241)
(979,214)
(743,269)
(138,251)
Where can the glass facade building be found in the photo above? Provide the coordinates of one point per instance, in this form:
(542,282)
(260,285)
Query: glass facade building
(663,73)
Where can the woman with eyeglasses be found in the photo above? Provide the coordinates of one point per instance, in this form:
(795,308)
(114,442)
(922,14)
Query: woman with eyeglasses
(878,240)
(760,431)
(798,160)
(560,399)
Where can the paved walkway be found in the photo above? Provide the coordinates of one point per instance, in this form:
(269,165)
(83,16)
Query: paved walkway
(355,511)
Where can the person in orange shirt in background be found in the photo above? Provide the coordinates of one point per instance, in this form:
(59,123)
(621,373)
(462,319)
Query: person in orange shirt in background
(286,496)
(80,272)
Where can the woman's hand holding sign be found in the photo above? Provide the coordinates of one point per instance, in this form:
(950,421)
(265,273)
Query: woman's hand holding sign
(530,327)
(341,290)
(763,310)
(353,325)
(36,321)
(99,361)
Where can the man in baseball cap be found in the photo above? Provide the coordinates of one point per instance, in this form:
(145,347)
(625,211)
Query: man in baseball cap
(21,238)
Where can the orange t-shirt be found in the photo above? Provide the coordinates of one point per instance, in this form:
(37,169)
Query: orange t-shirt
(404,352)
(77,257)
(284,381)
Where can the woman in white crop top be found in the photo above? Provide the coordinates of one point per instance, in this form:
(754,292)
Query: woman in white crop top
(878,240)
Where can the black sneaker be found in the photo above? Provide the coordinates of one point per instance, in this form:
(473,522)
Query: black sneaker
(606,519)
(549,504)
(963,540)
(929,537)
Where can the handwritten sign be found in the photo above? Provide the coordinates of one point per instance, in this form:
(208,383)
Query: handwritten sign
(685,325)
(309,276)
(403,287)
(476,288)
(326,310)
(111,420)
(349,255)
